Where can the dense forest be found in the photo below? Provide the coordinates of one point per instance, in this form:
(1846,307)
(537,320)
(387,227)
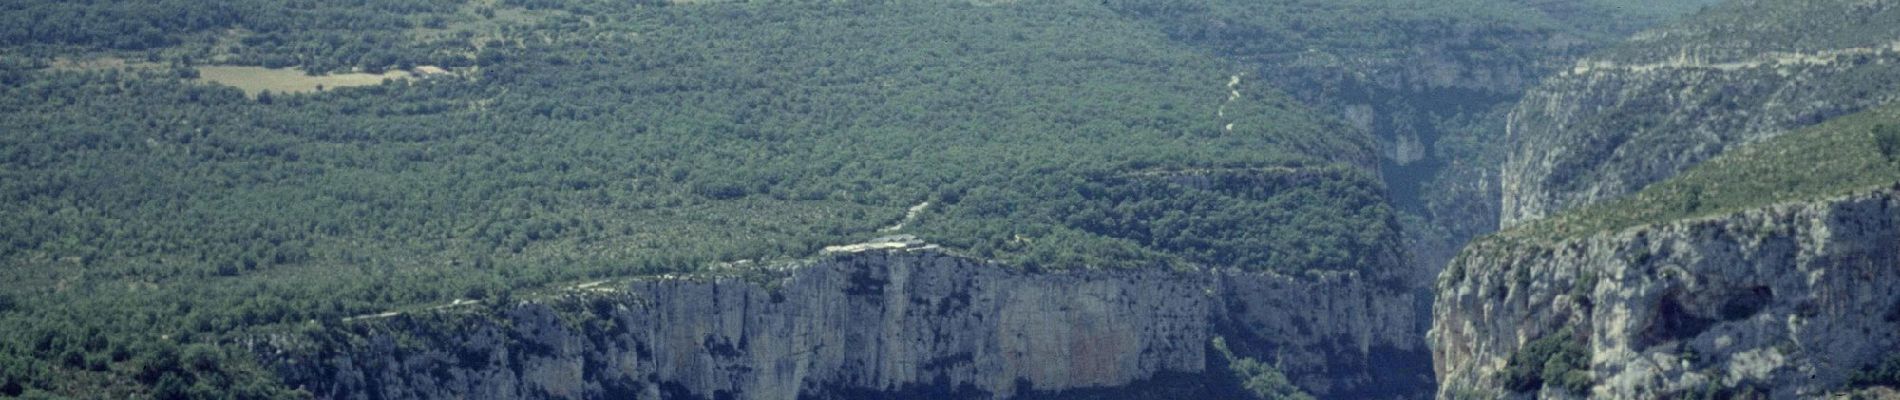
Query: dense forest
(157,222)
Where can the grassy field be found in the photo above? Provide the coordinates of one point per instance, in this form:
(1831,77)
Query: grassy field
(251,80)
(289,80)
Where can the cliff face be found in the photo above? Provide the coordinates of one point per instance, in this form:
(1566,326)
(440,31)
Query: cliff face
(1606,129)
(1785,301)
(1672,98)
(879,323)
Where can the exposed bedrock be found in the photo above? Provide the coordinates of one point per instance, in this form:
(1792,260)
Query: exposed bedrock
(1786,301)
(880,324)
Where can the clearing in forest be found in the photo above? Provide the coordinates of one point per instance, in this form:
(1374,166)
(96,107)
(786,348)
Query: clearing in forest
(289,80)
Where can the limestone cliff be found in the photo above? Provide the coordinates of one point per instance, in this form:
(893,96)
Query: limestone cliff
(1607,130)
(880,323)
(1676,96)
(1784,301)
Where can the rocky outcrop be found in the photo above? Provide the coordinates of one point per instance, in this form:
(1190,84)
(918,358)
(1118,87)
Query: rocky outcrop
(1785,301)
(1612,125)
(879,323)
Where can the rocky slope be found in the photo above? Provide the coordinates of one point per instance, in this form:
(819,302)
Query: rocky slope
(1430,81)
(1785,301)
(1676,96)
(1427,99)
(1424,106)
(874,324)
(1434,91)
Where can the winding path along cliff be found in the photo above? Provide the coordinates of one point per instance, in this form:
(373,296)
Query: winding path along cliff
(880,324)
(1785,301)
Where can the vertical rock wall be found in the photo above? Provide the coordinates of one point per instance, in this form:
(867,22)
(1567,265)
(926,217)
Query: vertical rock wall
(1785,301)
(878,324)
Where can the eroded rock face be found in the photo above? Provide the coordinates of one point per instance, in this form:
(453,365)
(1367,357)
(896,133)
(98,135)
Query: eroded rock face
(1784,301)
(1605,129)
(878,323)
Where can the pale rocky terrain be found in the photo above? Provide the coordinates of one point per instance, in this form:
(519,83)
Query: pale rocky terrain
(877,322)
(1784,301)
(1605,128)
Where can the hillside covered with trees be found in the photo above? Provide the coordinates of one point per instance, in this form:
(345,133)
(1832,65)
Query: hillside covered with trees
(157,222)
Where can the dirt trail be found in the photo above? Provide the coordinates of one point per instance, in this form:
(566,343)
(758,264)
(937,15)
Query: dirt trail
(452,304)
(1233,94)
(1197,171)
(909,215)
(1820,58)
(372,316)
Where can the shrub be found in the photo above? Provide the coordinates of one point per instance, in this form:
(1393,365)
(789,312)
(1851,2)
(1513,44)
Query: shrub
(1560,359)
(1691,199)
(201,357)
(1887,139)
(1885,373)
(1262,380)
(170,386)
